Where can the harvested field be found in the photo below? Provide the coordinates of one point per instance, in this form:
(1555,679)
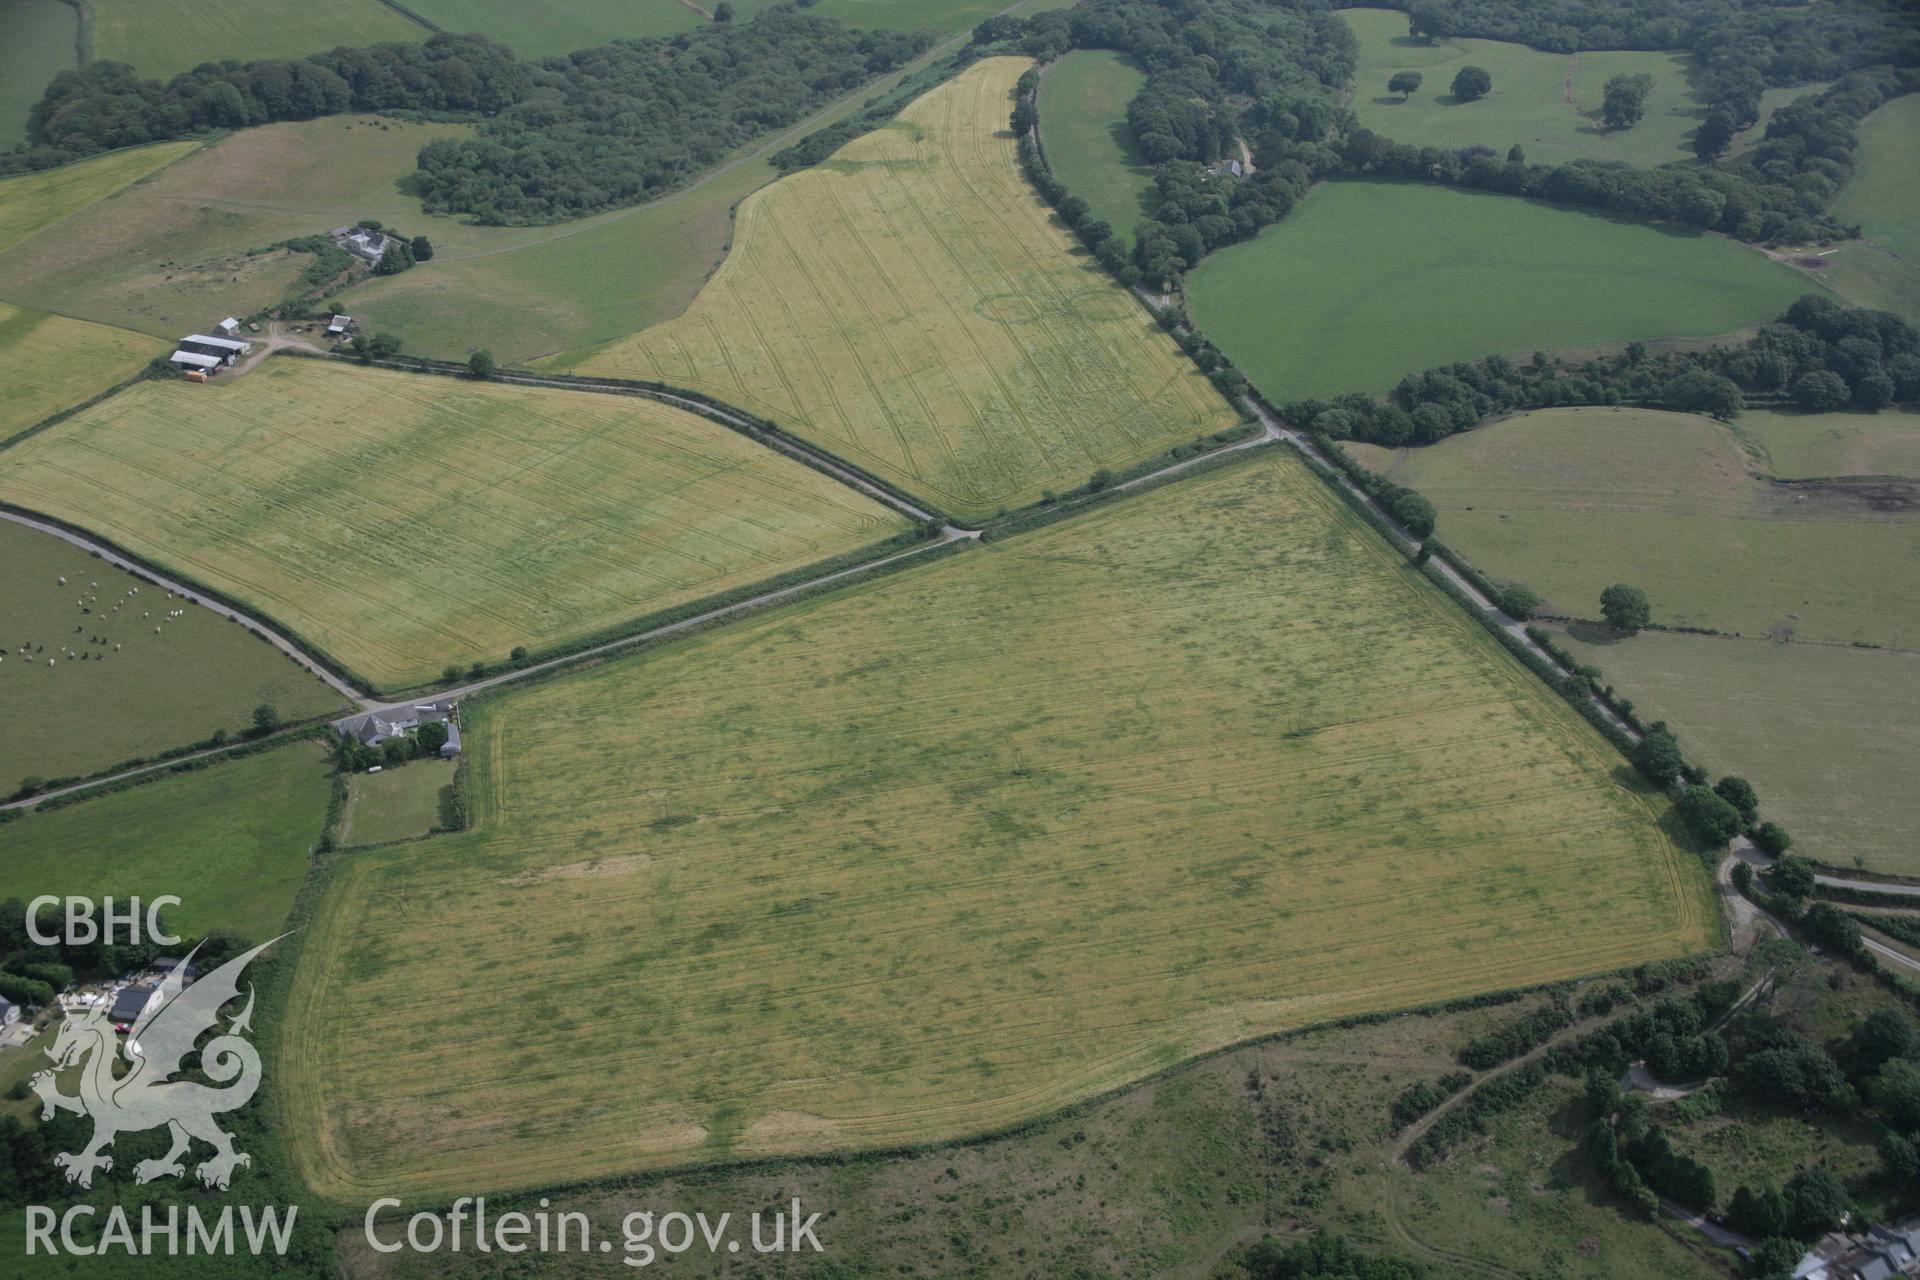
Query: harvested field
(1570,501)
(951,849)
(402,523)
(1547,102)
(1367,282)
(1829,735)
(162,38)
(233,842)
(54,363)
(115,690)
(911,305)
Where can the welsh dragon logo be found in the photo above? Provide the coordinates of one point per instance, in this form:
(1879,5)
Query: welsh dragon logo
(144,1095)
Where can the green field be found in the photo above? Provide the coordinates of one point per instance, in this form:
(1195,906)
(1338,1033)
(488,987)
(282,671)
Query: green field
(189,245)
(32,202)
(1083,119)
(402,523)
(162,38)
(1570,501)
(1549,103)
(232,842)
(394,804)
(38,40)
(1795,446)
(1884,199)
(1829,735)
(130,692)
(1367,282)
(913,306)
(956,847)
(54,363)
(555,27)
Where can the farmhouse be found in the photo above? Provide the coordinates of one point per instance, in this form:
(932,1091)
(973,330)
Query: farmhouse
(1878,1253)
(364,244)
(377,726)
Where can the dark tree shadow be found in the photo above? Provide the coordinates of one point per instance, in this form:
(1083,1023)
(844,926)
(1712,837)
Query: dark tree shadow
(1594,633)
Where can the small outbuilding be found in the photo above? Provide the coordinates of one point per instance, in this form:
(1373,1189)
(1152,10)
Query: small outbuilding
(227,328)
(338,326)
(9,1013)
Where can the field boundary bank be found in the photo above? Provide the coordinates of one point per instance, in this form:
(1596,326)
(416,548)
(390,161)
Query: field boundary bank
(432,28)
(751,425)
(195,760)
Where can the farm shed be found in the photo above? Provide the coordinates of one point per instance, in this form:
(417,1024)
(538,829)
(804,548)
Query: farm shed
(184,359)
(131,1003)
(228,327)
(227,350)
(338,326)
(451,747)
(9,1013)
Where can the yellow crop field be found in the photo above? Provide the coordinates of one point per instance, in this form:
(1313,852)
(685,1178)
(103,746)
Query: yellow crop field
(913,306)
(401,522)
(54,363)
(955,847)
(32,202)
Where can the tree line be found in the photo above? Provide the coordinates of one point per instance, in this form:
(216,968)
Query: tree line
(558,138)
(1818,353)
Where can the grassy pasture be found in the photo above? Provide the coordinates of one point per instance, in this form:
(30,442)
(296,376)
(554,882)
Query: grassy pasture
(913,306)
(162,38)
(556,27)
(32,202)
(394,803)
(1883,270)
(1828,734)
(403,522)
(1571,500)
(181,250)
(1083,118)
(1549,103)
(1794,445)
(1368,281)
(954,848)
(38,40)
(54,363)
(152,693)
(231,842)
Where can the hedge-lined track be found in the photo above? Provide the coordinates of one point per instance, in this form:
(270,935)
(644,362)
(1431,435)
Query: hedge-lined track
(403,523)
(965,845)
(912,306)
